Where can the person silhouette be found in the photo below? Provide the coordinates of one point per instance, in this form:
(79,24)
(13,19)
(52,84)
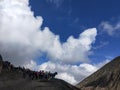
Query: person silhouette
(1,59)
(1,63)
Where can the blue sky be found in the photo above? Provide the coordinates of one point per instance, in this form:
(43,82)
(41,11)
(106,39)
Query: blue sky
(73,37)
(71,17)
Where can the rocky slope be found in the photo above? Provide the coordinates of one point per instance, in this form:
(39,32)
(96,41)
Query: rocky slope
(13,80)
(106,78)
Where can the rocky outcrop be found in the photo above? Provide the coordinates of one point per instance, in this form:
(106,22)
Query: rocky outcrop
(106,78)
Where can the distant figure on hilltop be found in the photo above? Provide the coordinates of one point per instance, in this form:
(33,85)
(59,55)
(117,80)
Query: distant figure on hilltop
(1,63)
(1,59)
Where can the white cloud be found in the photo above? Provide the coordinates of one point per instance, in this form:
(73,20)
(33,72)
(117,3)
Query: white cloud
(109,28)
(79,49)
(31,65)
(22,40)
(67,77)
(71,73)
(18,28)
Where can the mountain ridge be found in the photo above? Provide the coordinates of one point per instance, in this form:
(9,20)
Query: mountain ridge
(17,78)
(106,78)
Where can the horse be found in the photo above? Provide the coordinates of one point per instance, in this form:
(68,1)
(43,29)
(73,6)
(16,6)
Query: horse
(52,75)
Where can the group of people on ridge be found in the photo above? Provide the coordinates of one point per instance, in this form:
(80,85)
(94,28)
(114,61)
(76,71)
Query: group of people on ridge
(38,75)
(26,73)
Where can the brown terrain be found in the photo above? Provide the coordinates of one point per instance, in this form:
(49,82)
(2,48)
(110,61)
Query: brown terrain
(106,78)
(12,79)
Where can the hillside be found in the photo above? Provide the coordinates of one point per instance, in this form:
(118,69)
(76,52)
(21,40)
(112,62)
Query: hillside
(106,78)
(12,79)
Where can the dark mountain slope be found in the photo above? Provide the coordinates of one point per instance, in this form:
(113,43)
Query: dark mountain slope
(106,78)
(13,80)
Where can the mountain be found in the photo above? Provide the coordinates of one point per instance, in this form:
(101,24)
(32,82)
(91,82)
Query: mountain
(11,78)
(106,78)
(12,83)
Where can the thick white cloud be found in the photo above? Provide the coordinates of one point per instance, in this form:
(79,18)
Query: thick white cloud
(18,27)
(22,40)
(76,50)
(70,73)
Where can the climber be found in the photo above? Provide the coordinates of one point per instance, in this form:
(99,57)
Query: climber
(1,64)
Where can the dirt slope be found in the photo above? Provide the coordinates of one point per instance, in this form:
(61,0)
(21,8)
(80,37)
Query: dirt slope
(106,78)
(14,81)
